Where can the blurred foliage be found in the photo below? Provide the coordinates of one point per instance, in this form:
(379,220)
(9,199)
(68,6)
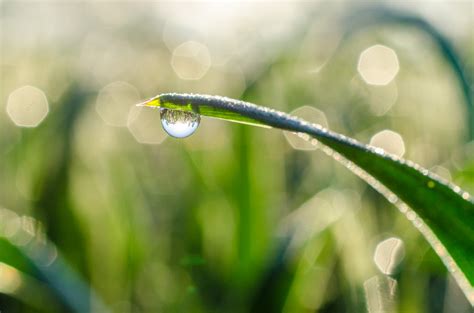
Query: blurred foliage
(202,224)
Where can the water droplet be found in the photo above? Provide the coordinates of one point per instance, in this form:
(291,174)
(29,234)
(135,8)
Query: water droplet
(179,124)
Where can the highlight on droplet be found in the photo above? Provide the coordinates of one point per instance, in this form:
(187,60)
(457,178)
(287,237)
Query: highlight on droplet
(179,124)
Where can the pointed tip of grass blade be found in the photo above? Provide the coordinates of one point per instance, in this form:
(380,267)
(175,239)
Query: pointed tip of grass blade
(152,102)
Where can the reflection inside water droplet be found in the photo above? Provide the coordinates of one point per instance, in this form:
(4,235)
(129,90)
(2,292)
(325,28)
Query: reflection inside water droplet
(179,124)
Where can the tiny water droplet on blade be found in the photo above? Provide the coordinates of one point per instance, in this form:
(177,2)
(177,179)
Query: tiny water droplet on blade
(179,124)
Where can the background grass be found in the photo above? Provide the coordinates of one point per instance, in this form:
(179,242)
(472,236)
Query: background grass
(205,224)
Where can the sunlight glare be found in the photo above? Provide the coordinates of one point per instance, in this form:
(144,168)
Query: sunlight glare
(378,65)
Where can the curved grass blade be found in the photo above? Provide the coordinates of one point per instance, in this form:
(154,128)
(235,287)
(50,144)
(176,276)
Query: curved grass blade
(65,284)
(37,260)
(440,210)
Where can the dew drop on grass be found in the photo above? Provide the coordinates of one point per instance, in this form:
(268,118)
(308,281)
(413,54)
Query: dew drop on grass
(179,124)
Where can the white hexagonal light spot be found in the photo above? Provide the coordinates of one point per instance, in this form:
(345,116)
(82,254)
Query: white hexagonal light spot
(10,223)
(390,141)
(145,125)
(388,255)
(380,294)
(27,106)
(114,102)
(309,114)
(378,65)
(191,60)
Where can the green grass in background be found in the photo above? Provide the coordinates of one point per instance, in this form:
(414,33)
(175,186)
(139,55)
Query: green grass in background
(232,219)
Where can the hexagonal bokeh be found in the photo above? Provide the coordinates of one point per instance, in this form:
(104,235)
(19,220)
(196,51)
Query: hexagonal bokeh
(378,65)
(191,60)
(27,106)
(145,125)
(10,223)
(380,294)
(309,114)
(388,255)
(114,102)
(390,141)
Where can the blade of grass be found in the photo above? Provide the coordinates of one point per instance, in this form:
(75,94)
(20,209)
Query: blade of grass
(65,284)
(441,211)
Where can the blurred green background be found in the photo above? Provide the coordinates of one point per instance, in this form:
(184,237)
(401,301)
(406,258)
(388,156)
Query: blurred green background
(100,211)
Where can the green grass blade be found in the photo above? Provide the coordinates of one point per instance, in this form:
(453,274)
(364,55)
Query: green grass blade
(441,211)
